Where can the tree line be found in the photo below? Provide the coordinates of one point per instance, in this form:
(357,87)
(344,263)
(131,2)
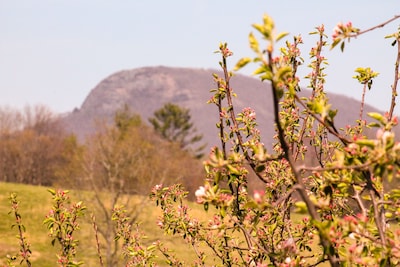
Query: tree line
(128,153)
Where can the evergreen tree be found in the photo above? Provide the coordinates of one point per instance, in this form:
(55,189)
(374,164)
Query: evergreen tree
(174,124)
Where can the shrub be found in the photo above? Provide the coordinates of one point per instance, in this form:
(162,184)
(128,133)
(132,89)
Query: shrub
(342,211)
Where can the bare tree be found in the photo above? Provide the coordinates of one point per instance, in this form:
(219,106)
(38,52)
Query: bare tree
(122,162)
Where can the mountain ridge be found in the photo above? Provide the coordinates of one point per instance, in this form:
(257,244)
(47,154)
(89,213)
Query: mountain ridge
(147,89)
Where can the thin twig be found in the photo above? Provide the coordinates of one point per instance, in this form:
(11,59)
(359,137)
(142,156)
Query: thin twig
(357,198)
(376,27)
(363,101)
(395,82)
(363,166)
(96,234)
(378,220)
(221,126)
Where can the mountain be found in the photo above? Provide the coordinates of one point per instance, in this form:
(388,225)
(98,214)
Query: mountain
(147,89)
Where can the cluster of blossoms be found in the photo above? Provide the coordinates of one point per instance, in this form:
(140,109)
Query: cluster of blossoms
(249,113)
(226,52)
(344,30)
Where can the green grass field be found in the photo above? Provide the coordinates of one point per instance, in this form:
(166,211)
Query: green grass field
(35,203)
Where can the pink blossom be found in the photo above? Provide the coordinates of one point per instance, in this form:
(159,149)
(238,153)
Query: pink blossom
(158,186)
(395,120)
(387,135)
(258,196)
(226,52)
(379,134)
(249,113)
(337,30)
(252,115)
(200,194)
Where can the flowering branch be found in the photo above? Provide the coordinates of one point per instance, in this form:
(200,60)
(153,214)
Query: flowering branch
(25,251)
(62,224)
(344,201)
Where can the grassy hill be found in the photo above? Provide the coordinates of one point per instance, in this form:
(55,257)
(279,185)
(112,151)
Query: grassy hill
(35,203)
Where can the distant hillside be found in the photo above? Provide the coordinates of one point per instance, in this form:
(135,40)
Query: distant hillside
(147,89)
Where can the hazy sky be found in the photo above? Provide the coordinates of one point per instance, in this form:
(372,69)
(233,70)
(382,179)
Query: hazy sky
(54,52)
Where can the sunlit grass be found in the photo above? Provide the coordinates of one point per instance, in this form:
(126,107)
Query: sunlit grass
(36,202)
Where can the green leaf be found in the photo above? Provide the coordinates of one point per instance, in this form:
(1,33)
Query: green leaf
(267,76)
(151,247)
(373,124)
(254,43)
(282,72)
(241,63)
(342,46)
(223,212)
(281,35)
(366,197)
(53,192)
(251,205)
(342,185)
(267,27)
(396,193)
(233,170)
(261,69)
(390,36)
(377,116)
(301,207)
(366,142)
(332,113)
(388,214)
(335,43)
(258,27)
